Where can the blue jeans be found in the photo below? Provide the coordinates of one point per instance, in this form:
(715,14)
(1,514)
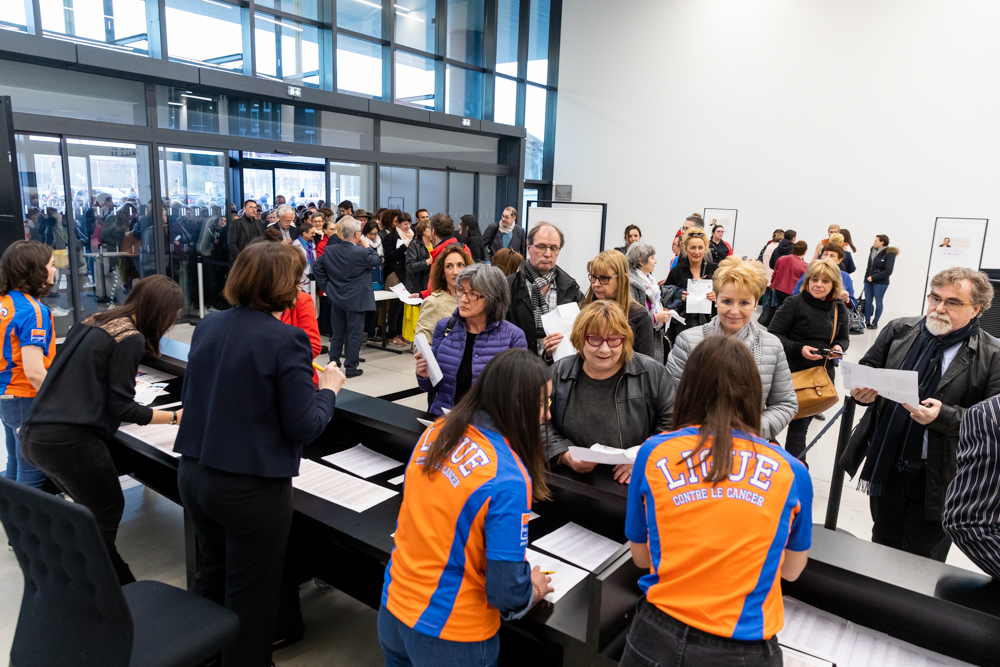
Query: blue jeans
(658,639)
(12,414)
(873,292)
(404,647)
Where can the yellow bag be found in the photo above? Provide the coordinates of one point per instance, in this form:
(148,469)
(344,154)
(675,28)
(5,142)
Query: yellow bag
(410,316)
(814,389)
(61,258)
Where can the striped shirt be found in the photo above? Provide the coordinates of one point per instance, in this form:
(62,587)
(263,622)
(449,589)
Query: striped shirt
(971,514)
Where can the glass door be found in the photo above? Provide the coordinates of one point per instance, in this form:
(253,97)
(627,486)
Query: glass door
(193,185)
(258,184)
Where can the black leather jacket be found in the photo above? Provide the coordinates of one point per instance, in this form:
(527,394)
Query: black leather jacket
(973,376)
(642,394)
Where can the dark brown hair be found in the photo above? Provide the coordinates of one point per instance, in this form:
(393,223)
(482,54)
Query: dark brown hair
(847,239)
(389,218)
(507,260)
(834,248)
(697,219)
(800,248)
(265,277)
(271,234)
(884,238)
(630,228)
(720,390)
(512,387)
(24,266)
(153,304)
(438,281)
(443,225)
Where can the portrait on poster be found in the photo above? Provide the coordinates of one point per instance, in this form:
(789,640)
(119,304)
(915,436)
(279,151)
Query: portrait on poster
(725,217)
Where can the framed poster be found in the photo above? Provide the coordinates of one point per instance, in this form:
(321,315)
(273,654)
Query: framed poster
(956,242)
(725,217)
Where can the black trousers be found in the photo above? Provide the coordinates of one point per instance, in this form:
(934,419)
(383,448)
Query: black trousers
(901,521)
(394,325)
(324,316)
(779,298)
(795,438)
(656,638)
(242,524)
(79,462)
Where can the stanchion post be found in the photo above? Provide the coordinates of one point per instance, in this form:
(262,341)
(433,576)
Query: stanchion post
(837,477)
(201,291)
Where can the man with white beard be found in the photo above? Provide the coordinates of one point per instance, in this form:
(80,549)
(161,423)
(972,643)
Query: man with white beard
(909,451)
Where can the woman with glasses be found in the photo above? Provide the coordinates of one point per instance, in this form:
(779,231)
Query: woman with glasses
(880,265)
(609,279)
(443,299)
(605,393)
(465,342)
(693,264)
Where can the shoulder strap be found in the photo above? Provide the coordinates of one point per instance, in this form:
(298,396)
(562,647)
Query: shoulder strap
(836,311)
(448,327)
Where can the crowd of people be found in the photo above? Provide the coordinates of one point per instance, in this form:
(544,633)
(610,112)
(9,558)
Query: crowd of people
(714,407)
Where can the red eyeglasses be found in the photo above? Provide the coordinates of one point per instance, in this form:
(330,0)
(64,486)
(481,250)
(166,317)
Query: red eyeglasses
(594,340)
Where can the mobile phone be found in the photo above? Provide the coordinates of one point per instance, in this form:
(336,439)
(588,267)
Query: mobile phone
(828,352)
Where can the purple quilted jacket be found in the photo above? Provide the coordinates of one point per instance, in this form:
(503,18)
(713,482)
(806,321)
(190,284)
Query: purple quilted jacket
(448,350)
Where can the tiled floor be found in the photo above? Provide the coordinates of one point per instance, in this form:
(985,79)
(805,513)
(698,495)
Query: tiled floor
(339,630)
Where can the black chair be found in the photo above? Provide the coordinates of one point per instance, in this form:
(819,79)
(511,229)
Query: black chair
(73,611)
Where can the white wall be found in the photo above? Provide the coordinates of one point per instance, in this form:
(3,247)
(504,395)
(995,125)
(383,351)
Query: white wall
(879,115)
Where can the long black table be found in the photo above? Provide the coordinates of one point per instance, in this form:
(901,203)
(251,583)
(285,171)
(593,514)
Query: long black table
(929,604)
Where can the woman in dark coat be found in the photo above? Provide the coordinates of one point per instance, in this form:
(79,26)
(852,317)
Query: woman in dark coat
(805,326)
(694,264)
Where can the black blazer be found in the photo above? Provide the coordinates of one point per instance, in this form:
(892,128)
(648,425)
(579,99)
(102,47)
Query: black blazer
(394,258)
(250,404)
(243,231)
(493,240)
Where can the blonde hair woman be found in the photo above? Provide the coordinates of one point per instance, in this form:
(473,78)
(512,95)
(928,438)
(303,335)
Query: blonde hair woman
(694,264)
(609,280)
(739,284)
(805,324)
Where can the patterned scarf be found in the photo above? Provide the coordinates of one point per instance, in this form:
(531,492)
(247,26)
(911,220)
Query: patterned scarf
(537,281)
(749,335)
(648,285)
(898,440)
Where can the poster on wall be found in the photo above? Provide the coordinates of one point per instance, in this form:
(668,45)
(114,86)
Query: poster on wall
(725,217)
(956,242)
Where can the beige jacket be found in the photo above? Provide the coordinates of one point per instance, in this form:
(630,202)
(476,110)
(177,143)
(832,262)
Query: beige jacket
(438,305)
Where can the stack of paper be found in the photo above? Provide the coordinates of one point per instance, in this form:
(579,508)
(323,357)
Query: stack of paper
(577,545)
(825,637)
(146,393)
(362,461)
(561,321)
(697,298)
(605,454)
(404,294)
(150,375)
(898,386)
(338,487)
(565,576)
(424,348)
(161,436)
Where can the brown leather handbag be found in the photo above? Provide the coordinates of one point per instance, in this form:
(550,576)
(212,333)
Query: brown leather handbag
(814,389)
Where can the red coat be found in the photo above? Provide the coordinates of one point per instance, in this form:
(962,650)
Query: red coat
(320,247)
(787,271)
(303,316)
(438,249)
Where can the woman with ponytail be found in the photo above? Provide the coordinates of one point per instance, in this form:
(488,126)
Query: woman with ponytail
(713,597)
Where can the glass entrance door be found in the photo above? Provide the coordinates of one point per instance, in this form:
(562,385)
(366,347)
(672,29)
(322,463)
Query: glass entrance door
(267,178)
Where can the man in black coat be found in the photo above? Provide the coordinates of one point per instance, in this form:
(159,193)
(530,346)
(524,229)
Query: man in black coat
(909,451)
(245,229)
(345,272)
(784,247)
(495,236)
(539,287)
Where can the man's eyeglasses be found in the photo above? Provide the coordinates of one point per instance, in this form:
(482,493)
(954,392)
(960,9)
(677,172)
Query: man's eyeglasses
(933,300)
(470,295)
(542,248)
(604,280)
(613,342)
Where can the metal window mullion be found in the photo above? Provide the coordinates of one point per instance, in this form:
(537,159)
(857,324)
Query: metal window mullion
(156,29)
(523,29)
(68,17)
(328,45)
(555,35)
(109,21)
(249,30)
(441,49)
(388,52)
(490,26)
(295,18)
(70,220)
(33,16)
(278,53)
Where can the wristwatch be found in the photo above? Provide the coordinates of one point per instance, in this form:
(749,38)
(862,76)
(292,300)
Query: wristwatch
(173,418)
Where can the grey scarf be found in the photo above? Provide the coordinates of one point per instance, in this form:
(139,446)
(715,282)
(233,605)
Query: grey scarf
(749,335)
(539,305)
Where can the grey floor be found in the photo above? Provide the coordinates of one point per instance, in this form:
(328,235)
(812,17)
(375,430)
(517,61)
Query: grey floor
(340,630)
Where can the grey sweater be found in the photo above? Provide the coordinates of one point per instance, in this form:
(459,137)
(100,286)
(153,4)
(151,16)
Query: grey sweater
(780,405)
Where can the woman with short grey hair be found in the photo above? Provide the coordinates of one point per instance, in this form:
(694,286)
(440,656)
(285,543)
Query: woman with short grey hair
(475,333)
(641,261)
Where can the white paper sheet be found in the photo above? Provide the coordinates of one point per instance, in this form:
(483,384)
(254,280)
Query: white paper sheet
(167,406)
(446,410)
(533,516)
(362,461)
(396,481)
(425,422)
(150,375)
(792,658)
(674,315)
(899,386)
(604,454)
(577,545)
(697,299)
(813,631)
(161,436)
(404,295)
(338,487)
(869,648)
(146,393)
(424,348)
(400,243)
(561,321)
(565,578)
